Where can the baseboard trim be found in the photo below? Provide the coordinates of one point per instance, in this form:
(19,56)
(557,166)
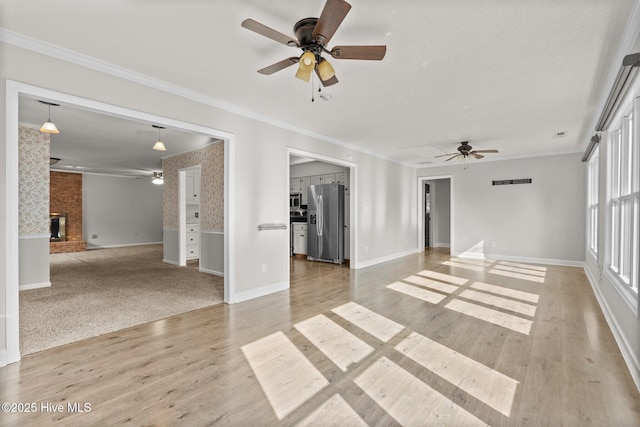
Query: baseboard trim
(391,257)
(528,260)
(170,261)
(256,293)
(34,286)
(442,245)
(627,353)
(92,247)
(213,272)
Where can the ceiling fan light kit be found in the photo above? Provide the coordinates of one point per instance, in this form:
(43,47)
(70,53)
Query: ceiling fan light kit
(158,178)
(312,36)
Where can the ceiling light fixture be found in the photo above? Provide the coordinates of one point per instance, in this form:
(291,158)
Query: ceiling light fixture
(306,65)
(158,178)
(325,70)
(159,145)
(49,126)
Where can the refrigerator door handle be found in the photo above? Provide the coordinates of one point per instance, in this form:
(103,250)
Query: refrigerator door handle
(320,224)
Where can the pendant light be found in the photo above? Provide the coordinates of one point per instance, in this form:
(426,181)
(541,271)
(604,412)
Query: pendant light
(159,145)
(49,126)
(158,178)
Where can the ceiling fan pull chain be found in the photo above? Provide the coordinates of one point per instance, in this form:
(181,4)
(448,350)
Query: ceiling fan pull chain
(312,91)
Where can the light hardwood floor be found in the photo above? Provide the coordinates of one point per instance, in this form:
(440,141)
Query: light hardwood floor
(423,340)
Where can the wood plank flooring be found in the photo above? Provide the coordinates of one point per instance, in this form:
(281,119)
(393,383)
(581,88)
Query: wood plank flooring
(344,347)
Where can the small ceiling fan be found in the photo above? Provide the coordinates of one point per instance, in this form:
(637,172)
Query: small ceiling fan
(466,150)
(312,36)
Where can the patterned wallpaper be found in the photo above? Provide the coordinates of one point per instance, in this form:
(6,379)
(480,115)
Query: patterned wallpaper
(33,175)
(211,161)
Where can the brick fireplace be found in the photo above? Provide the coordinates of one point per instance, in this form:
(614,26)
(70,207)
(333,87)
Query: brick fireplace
(65,196)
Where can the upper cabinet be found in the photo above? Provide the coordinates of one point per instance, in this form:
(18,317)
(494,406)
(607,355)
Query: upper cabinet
(192,188)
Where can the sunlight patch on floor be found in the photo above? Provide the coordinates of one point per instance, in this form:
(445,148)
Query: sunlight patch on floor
(478,262)
(408,400)
(444,277)
(334,412)
(499,302)
(420,293)
(286,376)
(521,265)
(338,344)
(461,265)
(520,270)
(514,275)
(507,292)
(373,323)
(499,318)
(432,284)
(485,384)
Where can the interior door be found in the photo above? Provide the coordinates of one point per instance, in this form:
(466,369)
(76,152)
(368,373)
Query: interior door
(427,215)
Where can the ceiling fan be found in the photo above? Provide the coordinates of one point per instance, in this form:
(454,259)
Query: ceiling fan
(465,150)
(312,36)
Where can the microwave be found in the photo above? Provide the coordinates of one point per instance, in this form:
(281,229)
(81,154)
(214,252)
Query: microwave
(295,200)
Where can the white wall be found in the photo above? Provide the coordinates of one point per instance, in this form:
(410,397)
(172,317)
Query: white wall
(120,211)
(539,222)
(315,168)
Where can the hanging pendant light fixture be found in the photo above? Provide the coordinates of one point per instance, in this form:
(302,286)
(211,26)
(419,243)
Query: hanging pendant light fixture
(49,126)
(159,145)
(158,178)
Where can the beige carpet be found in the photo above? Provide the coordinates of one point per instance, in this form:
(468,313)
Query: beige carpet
(105,290)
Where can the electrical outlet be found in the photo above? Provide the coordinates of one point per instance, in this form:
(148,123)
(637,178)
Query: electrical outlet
(493,244)
(366,249)
(264,268)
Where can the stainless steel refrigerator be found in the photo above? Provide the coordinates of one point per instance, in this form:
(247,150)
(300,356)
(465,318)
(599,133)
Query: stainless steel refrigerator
(325,219)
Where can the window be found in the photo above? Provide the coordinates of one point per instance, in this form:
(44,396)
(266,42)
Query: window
(592,201)
(624,205)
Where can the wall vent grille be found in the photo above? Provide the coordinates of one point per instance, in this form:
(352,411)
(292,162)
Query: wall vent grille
(512,181)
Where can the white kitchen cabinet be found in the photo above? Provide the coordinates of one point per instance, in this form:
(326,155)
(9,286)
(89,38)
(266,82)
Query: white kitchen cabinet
(304,188)
(192,188)
(193,241)
(299,238)
(295,185)
(340,178)
(316,180)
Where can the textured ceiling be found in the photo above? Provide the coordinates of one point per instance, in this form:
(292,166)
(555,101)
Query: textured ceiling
(502,74)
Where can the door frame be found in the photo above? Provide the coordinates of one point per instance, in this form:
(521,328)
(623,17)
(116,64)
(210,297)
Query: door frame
(422,180)
(15,90)
(353,195)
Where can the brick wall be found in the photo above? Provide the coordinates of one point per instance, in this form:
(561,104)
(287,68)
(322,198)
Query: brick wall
(65,196)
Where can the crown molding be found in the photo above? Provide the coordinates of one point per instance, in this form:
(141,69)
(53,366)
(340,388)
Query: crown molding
(48,49)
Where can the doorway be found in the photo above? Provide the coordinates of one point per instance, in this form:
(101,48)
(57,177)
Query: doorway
(14,91)
(346,171)
(435,204)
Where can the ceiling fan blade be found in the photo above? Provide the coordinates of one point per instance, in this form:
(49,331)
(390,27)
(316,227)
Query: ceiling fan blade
(477,156)
(263,30)
(484,151)
(329,82)
(374,53)
(448,154)
(330,19)
(279,66)
(452,157)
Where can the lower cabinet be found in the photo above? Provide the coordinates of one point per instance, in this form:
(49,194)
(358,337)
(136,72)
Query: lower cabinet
(193,241)
(300,238)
